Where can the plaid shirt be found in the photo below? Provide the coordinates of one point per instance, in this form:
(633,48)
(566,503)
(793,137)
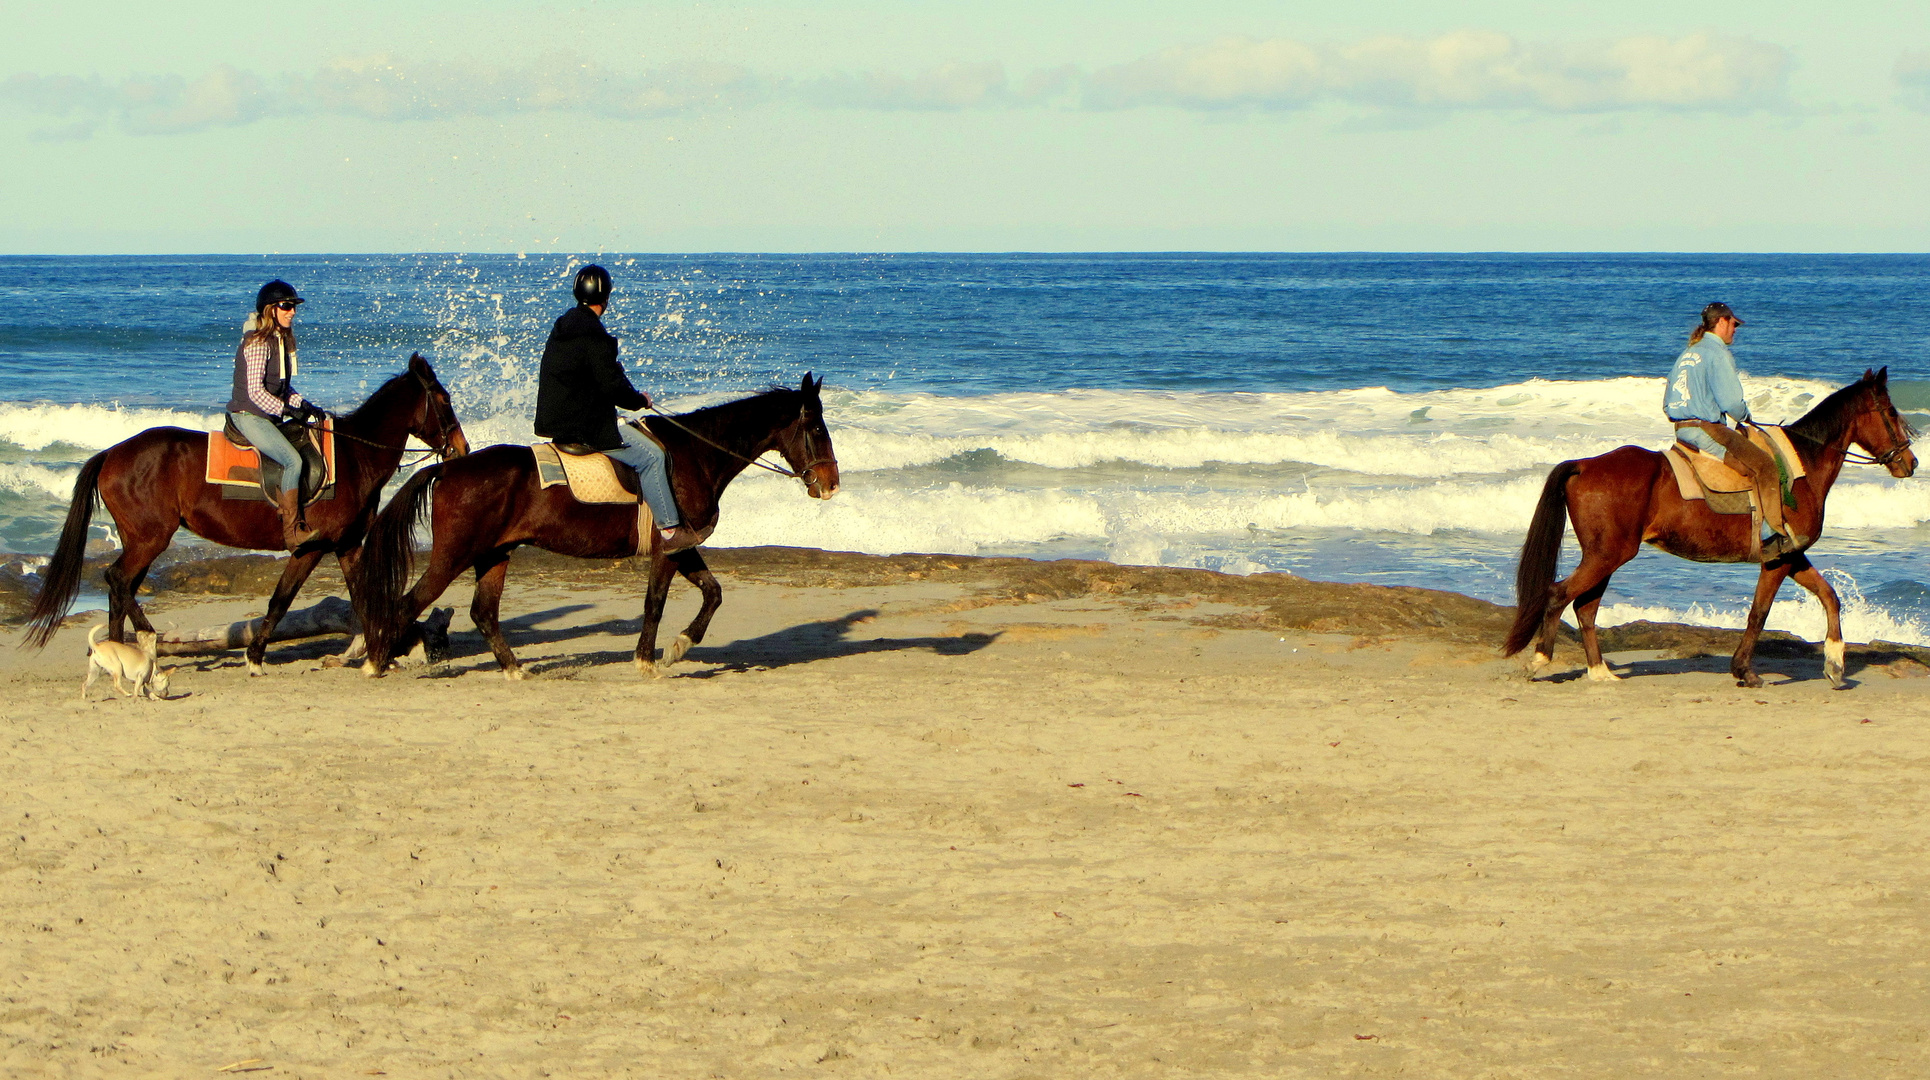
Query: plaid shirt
(254,359)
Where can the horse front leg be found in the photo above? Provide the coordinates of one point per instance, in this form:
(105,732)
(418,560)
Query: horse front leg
(1812,579)
(1743,664)
(357,644)
(492,570)
(293,576)
(692,566)
(653,599)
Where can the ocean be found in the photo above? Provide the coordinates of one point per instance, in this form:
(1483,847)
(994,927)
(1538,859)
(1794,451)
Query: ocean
(1347,417)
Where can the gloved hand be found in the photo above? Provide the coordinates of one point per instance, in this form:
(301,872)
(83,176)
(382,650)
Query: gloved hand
(313,413)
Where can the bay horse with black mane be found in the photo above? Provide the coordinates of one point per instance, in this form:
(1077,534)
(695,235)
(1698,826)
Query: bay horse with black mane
(156,482)
(492,502)
(1628,497)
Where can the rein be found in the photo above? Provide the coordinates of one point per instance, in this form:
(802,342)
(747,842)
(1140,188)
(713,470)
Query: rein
(442,432)
(794,474)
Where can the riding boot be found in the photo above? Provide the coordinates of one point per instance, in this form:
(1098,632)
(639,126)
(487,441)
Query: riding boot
(294,523)
(1769,496)
(679,537)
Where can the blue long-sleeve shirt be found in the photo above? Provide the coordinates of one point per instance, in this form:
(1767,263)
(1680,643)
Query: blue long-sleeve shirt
(1703,384)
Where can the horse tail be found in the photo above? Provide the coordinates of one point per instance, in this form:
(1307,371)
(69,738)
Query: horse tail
(1535,577)
(61,579)
(388,560)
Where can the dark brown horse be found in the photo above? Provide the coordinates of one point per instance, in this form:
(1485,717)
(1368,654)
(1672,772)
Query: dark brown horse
(1628,497)
(491,502)
(156,482)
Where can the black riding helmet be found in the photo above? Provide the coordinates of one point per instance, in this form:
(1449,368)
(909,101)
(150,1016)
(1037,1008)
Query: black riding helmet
(275,292)
(592,285)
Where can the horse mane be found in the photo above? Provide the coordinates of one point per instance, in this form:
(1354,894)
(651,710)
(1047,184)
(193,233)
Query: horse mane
(405,373)
(1832,416)
(710,415)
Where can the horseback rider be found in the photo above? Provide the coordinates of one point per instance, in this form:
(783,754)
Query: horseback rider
(579,388)
(1703,386)
(265,365)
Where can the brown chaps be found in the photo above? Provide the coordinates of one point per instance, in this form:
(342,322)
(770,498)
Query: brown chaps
(1752,461)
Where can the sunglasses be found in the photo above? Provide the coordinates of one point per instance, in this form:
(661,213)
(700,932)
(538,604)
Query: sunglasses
(287,305)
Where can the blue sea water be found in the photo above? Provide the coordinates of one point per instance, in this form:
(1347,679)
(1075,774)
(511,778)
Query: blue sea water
(1384,418)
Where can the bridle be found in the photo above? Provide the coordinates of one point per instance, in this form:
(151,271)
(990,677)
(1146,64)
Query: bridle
(799,474)
(1900,439)
(441,445)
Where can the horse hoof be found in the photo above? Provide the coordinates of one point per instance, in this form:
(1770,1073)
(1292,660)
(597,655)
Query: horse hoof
(1540,661)
(1600,673)
(515,674)
(256,668)
(1750,679)
(677,649)
(648,668)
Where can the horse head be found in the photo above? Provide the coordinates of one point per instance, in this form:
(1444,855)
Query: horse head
(1880,430)
(806,443)
(435,420)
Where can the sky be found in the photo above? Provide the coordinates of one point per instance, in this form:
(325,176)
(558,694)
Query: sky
(992,126)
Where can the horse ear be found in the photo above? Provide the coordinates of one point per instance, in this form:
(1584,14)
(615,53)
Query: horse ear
(808,387)
(417,364)
(1883,374)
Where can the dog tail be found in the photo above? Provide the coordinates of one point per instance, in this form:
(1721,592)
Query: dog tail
(94,635)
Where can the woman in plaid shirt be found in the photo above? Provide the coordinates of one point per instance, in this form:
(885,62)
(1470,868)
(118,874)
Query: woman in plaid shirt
(264,365)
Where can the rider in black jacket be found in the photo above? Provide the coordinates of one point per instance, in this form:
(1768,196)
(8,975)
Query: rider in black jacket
(581,386)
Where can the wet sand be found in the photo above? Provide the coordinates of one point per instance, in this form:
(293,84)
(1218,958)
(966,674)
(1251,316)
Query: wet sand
(928,816)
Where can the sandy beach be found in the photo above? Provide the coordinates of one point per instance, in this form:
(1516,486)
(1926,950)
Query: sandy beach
(945,817)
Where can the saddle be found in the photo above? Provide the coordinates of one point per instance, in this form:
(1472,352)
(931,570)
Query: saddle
(244,474)
(1704,476)
(595,477)
(592,475)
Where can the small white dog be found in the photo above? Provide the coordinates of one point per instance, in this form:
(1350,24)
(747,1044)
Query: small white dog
(136,665)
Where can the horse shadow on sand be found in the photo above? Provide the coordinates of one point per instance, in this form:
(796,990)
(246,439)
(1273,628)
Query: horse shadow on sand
(1782,663)
(805,643)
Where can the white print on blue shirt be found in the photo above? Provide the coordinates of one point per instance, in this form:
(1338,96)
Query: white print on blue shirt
(1679,393)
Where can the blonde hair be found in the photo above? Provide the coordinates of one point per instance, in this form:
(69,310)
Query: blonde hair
(264,327)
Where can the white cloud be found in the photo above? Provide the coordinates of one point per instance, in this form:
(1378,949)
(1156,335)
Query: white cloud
(1463,70)
(1913,80)
(381,88)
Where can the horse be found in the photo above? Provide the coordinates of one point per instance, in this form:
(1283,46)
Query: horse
(1628,497)
(156,482)
(492,502)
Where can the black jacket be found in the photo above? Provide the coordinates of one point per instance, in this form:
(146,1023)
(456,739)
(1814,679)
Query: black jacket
(581,386)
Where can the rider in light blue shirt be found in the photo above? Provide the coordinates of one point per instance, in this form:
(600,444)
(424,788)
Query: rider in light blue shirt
(1703,388)
(1704,385)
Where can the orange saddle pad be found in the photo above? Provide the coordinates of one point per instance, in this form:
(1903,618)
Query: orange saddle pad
(240,466)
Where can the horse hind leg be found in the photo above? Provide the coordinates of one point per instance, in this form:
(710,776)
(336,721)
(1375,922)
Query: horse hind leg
(1586,607)
(692,566)
(124,577)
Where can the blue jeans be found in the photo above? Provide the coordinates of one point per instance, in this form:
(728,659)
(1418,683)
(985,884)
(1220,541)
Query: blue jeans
(653,474)
(269,440)
(1700,439)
